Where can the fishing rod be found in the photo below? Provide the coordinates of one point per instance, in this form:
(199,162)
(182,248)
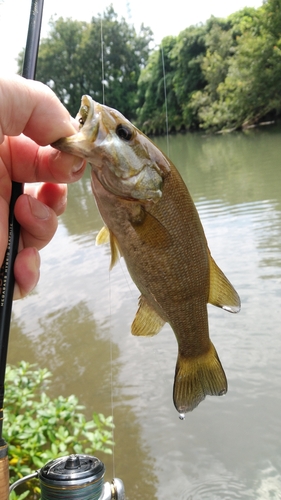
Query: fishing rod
(75,476)
(7,280)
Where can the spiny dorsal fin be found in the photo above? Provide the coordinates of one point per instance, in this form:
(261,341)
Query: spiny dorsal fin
(147,322)
(221,293)
(103,236)
(106,236)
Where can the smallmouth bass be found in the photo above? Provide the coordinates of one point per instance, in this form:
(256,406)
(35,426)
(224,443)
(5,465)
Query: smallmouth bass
(151,220)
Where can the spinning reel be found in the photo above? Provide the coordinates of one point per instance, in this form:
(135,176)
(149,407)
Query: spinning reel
(75,477)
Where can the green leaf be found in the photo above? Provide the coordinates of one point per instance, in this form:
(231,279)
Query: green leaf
(39,429)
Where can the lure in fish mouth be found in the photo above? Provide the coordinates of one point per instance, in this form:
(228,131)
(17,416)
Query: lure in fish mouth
(151,220)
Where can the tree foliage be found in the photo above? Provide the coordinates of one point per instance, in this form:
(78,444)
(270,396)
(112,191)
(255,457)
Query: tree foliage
(243,70)
(155,92)
(224,74)
(188,75)
(173,72)
(102,58)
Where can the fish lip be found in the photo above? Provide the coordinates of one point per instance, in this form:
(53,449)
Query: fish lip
(88,130)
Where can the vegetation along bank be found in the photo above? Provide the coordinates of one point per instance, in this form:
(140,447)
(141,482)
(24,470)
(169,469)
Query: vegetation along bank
(221,75)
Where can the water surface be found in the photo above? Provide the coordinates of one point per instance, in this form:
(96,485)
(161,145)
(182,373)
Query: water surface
(77,324)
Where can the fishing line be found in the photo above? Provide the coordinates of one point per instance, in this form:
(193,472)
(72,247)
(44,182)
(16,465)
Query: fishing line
(125,276)
(102,61)
(111,372)
(109,278)
(166,102)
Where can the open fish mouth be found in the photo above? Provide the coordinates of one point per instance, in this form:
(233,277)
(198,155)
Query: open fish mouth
(88,118)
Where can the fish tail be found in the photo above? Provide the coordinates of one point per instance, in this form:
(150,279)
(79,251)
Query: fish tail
(197,377)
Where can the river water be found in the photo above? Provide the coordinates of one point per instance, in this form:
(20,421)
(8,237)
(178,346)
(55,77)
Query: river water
(77,324)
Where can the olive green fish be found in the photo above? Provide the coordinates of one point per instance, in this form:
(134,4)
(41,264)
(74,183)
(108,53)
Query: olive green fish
(151,220)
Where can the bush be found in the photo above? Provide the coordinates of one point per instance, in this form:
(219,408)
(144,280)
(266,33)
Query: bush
(38,428)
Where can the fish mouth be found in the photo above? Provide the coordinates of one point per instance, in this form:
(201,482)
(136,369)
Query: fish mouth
(80,143)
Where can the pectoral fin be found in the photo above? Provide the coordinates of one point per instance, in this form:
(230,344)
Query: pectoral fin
(221,293)
(150,230)
(147,322)
(106,236)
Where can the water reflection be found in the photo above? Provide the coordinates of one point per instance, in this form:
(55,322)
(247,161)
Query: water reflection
(85,218)
(83,360)
(236,168)
(80,316)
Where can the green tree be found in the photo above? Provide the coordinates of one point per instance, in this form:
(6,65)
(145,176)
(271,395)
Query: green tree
(253,81)
(186,57)
(251,90)
(272,18)
(59,61)
(177,64)
(102,58)
(214,65)
(242,68)
(156,93)
(224,74)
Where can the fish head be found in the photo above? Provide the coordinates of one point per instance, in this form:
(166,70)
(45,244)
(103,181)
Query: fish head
(123,159)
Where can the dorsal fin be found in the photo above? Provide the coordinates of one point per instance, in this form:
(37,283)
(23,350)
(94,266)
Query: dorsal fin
(147,321)
(221,293)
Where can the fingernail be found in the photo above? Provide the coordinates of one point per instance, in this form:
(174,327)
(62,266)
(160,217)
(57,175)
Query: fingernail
(38,209)
(78,165)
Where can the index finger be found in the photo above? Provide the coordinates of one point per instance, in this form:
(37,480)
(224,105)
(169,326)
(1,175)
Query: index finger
(32,108)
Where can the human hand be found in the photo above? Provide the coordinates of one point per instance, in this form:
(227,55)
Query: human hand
(31,117)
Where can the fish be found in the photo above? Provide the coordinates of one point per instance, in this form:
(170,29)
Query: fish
(151,221)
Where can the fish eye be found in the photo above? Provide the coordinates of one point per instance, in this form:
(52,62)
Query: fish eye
(124,132)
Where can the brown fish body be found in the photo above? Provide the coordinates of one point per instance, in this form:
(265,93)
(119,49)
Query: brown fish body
(167,261)
(153,223)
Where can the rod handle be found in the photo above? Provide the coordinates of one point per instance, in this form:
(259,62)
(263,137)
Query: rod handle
(4,473)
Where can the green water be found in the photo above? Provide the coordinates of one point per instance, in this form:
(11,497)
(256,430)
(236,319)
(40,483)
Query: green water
(79,317)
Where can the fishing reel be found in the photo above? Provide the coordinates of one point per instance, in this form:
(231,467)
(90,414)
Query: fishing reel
(75,477)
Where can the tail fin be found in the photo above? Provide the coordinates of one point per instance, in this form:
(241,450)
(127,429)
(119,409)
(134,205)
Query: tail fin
(197,377)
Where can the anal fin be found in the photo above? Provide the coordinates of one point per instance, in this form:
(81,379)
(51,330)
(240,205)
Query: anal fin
(221,293)
(147,321)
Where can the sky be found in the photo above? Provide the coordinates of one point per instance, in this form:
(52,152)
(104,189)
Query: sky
(166,20)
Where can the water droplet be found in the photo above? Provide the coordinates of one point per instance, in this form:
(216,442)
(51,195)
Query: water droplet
(182,416)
